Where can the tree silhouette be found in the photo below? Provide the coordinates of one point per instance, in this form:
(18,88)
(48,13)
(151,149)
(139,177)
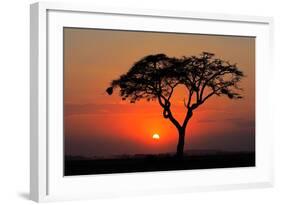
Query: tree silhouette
(155,77)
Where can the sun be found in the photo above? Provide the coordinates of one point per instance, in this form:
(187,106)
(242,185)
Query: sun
(156,136)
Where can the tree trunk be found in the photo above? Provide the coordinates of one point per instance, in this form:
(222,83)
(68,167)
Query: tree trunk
(180,146)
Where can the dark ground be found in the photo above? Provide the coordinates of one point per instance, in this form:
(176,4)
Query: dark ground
(164,162)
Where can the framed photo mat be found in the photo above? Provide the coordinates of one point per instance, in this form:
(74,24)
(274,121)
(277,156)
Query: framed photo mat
(47,182)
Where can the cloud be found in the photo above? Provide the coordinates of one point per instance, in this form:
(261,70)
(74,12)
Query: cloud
(236,121)
(114,108)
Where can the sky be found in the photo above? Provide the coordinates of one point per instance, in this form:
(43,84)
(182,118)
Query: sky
(99,125)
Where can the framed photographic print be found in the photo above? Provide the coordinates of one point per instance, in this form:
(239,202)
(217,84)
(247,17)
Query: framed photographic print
(127,102)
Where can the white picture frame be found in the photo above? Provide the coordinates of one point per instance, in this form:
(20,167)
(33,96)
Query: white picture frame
(47,182)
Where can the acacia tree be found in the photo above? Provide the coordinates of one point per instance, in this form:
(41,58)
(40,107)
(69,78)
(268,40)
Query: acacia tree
(155,77)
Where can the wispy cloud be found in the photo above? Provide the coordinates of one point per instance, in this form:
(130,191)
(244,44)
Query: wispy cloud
(114,108)
(236,121)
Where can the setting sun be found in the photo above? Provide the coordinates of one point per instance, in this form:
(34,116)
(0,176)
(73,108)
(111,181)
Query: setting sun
(156,137)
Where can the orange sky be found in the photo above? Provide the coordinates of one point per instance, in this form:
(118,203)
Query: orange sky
(96,124)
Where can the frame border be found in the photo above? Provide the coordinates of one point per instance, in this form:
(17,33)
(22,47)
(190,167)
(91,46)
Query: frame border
(39,187)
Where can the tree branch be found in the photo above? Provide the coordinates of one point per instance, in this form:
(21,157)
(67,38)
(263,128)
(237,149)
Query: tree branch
(187,117)
(172,119)
(208,96)
(167,111)
(189,98)
(221,72)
